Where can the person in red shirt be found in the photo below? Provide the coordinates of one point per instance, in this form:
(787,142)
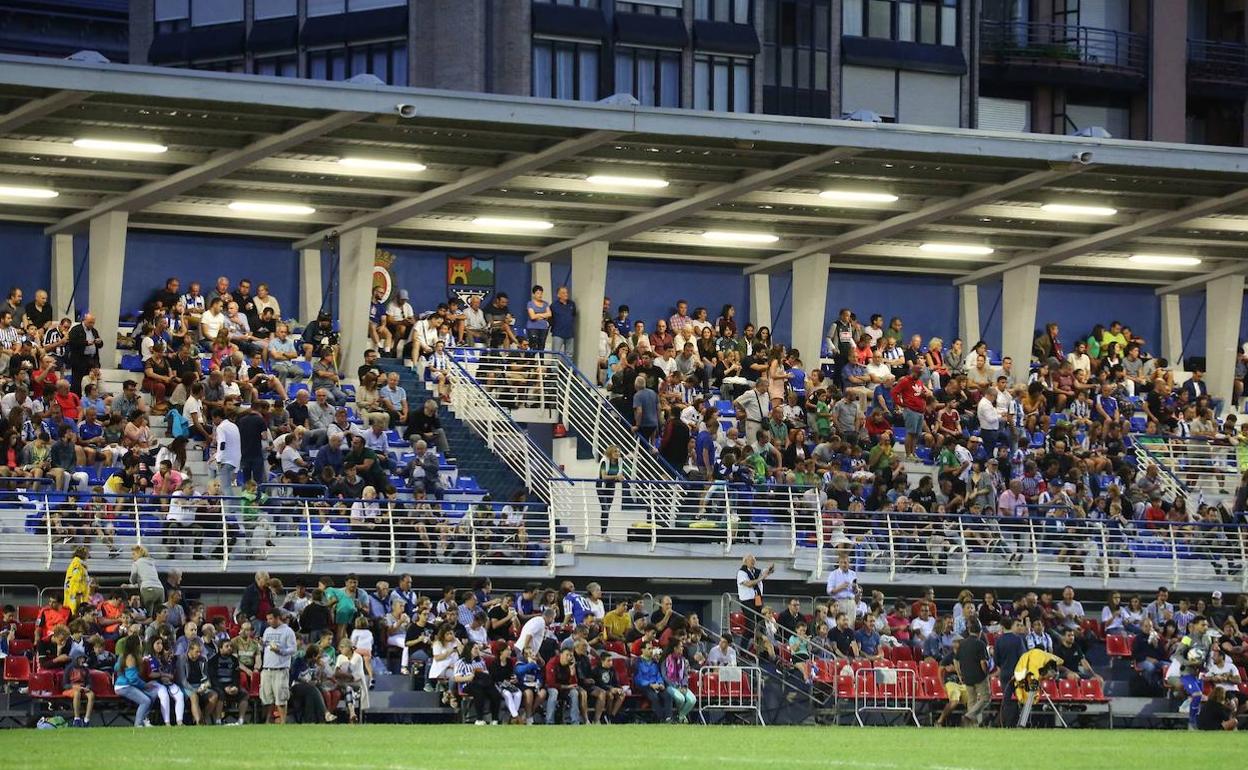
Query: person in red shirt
(911,395)
(43,380)
(55,614)
(1154,514)
(68,401)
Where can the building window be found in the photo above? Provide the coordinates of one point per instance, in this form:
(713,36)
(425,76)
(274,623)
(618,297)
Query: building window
(934,22)
(652,76)
(671,8)
(331,7)
(226,65)
(796,57)
(274,9)
(723,84)
(172,16)
(564,70)
(735,11)
(205,13)
(576,3)
(386,60)
(281,66)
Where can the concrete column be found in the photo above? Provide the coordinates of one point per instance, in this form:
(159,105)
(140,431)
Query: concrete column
(311,287)
(968,314)
(1172,329)
(589,286)
(357,254)
(1167,90)
(107,238)
(810,304)
(760,300)
(540,275)
(1224,303)
(62,275)
(1019,290)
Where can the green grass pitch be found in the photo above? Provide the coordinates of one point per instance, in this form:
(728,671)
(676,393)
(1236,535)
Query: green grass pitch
(448,747)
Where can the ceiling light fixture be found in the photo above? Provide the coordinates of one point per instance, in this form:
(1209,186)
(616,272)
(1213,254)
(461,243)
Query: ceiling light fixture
(7,191)
(1163,260)
(857,196)
(956,248)
(1072,208)
(611,180)
(725,236)
(513,223)
(116,145)
(381,164)
(261,207)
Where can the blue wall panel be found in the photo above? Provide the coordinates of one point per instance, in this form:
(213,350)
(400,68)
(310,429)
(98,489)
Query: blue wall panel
(1078,307)
(153,256)
(650,289)
(928,305)
(25,258)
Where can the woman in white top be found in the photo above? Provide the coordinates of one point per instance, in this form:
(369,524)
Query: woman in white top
(1113,614)
(446,649)
(349,673)
(365,521)
(395,622)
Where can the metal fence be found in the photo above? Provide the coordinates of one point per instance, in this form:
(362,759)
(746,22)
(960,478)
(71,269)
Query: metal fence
(1206,466)
(1217,61)
(1065,44)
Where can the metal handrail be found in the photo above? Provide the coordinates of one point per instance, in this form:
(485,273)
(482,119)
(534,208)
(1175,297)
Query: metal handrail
(1217,60)
(1097,47)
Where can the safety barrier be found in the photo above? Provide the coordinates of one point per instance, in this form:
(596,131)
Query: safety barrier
(730,689)
(885,690)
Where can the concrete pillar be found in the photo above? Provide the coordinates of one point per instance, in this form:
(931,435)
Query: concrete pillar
(968,314)
(357,253)
(589,286)
(1019,290)
(1172,329)
(107,238)
(62,275)
(1224,303)
(311,287)
(810,304)
(760,300)
(540,275)
(1167,60)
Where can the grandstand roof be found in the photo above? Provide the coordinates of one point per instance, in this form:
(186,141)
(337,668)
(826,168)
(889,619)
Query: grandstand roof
(234,137)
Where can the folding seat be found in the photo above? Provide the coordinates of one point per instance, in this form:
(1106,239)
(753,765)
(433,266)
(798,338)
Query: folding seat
(1067,690)
(1118,645)
(17,669)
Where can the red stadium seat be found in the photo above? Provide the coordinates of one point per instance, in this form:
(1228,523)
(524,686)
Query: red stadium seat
(45,684)
(1050,688)
(908,665)
(622,673)
(25,630)
(998,693)
(1090,690)
(27,613)
(786,655)
(617,648)
(496,647)
(930,668)
(21,647)
(695,683)
(736,623)
(102,685)
(990,638)
(251,682)
(845,687)
(17,669)
(1067,690)
(824,671)
(1093,625)
(930,688)
(902,652)
(1118,645)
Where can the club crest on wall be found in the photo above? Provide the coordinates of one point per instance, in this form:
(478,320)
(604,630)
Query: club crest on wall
(468,277)
(382,276)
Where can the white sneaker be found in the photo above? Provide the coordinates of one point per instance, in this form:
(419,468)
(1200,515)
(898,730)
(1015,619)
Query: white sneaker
(479,722)
(494,721)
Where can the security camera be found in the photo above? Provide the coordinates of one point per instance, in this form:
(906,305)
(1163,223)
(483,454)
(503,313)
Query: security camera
(406,110)
(1083,158)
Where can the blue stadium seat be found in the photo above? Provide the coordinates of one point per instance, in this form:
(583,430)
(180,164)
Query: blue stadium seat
(131,362)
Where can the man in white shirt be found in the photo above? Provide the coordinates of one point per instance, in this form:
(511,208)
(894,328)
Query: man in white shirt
(878,371)
(666,361)
(1222,671)
(475,328)
(722,654)
(750,580)
(1069,610)
(400,317)
(229,450)
(756,405)
(841,582)
(922,627)
(212,321)
(1078,358)
(989,420)
(532,634)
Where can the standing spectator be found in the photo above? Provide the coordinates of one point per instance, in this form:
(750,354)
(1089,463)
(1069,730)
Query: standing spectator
(228,457)
(538,322)
(842,583)
(145,577)
(252,432)
(676,676)
(84,350)
(279,645)
(1008,651)
(563,322)
(645,411)
(911,394)
(77,579)
(970,660)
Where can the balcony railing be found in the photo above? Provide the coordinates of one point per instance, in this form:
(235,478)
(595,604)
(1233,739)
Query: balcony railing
(1064,46)
(1217,62)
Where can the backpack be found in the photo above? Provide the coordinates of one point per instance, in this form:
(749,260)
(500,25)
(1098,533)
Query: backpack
(180,427)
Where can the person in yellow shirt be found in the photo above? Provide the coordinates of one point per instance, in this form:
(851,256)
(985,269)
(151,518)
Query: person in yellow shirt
(1114,334)
(1032,668)
(77,579)
(617,622)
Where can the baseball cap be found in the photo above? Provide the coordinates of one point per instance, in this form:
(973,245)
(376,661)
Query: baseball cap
(403,295)
(1217,594)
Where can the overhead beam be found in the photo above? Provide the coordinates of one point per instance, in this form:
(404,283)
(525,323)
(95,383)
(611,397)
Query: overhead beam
(861,236)
(466,185)
(213,168)
(711,196)
(1197,282)
(1111,237)
(39,108)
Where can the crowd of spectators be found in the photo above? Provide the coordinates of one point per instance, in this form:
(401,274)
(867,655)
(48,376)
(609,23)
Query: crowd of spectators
(312,652)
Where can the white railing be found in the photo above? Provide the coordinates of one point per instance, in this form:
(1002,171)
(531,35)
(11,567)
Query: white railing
(478,409)
(280,533)
(1207,466)
(547,380)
